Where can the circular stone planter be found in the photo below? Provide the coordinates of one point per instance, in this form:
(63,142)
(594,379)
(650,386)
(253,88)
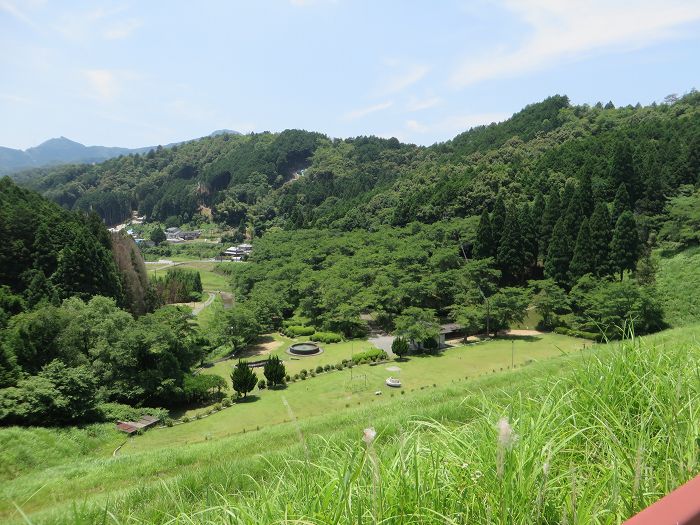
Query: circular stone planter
(304,349)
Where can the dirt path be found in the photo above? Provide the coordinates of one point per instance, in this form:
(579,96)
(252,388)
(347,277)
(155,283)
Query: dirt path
(523,332)
(262,348)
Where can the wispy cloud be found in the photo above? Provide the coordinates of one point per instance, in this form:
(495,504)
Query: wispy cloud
(397,82)
(122,29)
(418,104)
(17,13)
(106,84)
(107,23)
(363,112)
(571,30)
(455,123)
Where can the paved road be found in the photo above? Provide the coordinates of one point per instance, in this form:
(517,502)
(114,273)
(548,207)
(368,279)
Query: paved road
(201,306)
(383,342)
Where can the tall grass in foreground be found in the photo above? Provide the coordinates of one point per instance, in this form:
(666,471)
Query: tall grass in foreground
(595,446)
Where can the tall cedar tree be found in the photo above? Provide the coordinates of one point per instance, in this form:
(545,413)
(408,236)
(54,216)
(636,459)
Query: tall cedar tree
(582,260)
(483,244)
(584,193)
(625,245)
(573,216)
(530,237)
(498,221)
(243,378)
(622,169)
(274,370)
(510,250)
(621,203)
(537,212)
(559,255)
(551,215)
(601,235)
(568,194)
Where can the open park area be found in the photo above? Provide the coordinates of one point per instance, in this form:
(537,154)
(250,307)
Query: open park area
(338,390)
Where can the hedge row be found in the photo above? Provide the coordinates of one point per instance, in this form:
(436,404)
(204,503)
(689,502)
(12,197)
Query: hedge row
(563,330)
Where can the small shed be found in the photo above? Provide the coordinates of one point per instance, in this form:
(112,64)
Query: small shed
(449,331)
(130,427)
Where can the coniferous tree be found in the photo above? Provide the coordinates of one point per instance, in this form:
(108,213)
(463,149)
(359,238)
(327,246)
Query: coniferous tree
(559,255)
(601,235)
(568,194)
(243,379)
(498,221)
(274,371)
(621,203)
(530,237)
(584,194)
(573,217)
(582,260)
(483,244)
(510,250)
(551,215)
(622,169)
(624,248)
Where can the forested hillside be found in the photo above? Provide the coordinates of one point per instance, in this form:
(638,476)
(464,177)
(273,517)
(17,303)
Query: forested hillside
(299,179)
(77,341)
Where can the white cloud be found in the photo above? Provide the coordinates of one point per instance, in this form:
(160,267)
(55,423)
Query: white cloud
(416,104)
(571,30)
(448,126)
(11,9)
(103,83)
(400,81)
(363,112)
(122,29)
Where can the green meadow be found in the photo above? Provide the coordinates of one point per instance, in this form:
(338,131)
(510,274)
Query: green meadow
(614,424)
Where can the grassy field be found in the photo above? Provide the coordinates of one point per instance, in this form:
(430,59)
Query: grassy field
(339,390)
(211,280)
(678,282)
(589,437)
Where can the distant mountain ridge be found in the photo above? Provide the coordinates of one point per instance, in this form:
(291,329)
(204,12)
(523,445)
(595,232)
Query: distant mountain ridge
(62,150)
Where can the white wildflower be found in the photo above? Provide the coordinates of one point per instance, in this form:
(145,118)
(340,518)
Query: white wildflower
(506,436)
(368,435)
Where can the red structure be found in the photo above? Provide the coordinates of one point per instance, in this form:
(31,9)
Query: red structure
(680,507)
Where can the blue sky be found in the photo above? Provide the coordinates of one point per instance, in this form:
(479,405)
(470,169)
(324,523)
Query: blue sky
(129,73)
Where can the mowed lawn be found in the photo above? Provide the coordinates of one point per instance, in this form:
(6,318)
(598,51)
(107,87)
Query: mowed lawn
(211,280)
(340,390)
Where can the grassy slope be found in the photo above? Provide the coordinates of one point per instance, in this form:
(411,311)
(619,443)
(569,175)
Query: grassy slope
(678,282)
(334,391)
(615,415)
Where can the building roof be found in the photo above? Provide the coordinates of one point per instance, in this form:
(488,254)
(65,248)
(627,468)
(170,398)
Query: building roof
(132,426)
(448,328)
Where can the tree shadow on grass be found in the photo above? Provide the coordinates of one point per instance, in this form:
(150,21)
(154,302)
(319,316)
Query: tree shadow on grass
(526,338)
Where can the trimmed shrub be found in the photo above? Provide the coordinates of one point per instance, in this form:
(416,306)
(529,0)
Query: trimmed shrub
(372,353)
(262,384)
(298,330)
(327,337)
(319,369)
(226,402)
